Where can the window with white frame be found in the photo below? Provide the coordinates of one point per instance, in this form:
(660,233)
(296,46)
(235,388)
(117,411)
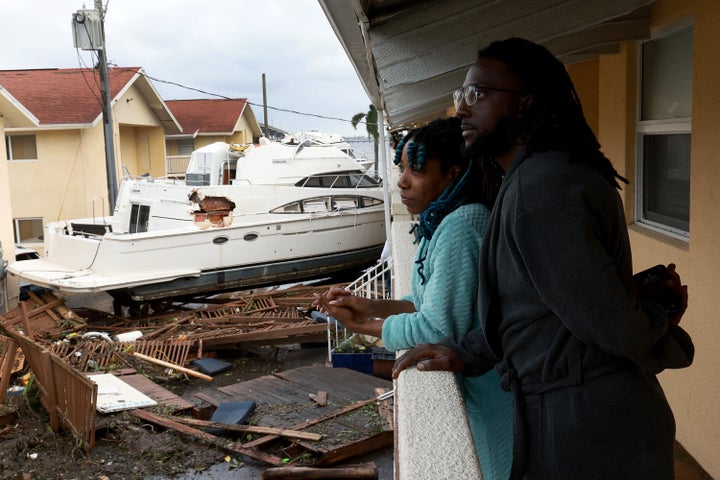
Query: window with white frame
(28,230)
(21,147)
(664,129)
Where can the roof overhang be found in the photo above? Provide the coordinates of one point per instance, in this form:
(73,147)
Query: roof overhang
(248,112)
(154,102)
(411,54)
(14,114)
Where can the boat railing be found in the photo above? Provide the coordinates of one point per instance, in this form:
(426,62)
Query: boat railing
(376,284)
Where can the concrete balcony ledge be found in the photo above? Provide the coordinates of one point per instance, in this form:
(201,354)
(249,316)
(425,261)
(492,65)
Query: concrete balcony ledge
(432,435)
(433,438)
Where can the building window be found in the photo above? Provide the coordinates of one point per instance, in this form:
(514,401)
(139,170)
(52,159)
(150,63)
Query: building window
(664,131)
(21,147)
(28,230)
(185,146)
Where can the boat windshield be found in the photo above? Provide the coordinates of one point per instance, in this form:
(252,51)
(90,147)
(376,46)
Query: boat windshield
(328,203)
(340,180)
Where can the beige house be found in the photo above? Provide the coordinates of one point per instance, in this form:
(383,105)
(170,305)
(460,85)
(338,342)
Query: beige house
(647,73)
(53,165)
(205,121)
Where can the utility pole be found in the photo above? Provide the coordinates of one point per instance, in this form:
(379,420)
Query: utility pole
(267,133)
(107,114)
(89,34)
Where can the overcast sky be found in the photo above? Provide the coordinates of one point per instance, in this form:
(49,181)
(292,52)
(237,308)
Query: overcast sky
(220,47)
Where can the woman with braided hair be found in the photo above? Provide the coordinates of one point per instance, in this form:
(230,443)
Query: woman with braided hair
(441,186)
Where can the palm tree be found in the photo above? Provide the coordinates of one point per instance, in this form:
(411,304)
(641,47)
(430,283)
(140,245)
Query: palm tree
(371,123)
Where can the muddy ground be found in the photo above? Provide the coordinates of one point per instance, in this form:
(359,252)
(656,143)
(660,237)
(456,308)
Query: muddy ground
(129,448)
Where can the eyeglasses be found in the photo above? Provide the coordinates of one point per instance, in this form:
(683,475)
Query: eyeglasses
(474,92)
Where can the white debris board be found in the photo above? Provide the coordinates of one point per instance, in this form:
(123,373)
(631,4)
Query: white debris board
(115,395)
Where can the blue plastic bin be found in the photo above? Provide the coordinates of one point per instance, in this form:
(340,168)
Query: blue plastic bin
(360,362)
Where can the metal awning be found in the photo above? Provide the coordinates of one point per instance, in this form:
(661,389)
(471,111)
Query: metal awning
(411,54)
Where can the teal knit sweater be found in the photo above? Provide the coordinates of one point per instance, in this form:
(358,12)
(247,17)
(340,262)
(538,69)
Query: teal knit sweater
(445,306)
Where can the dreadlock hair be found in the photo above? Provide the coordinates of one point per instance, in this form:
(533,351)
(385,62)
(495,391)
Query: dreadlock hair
(555,119)
(440,140)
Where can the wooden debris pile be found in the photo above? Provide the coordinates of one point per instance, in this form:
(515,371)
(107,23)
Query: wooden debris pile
(311,417)
(172,339)
(294,432)
(272,318)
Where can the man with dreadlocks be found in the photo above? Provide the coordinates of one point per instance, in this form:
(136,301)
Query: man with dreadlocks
(440,185)
(560,317)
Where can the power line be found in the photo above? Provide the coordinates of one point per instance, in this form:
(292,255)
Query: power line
(325,117)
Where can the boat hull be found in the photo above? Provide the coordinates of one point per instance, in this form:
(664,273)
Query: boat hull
(80,264)
(251,276)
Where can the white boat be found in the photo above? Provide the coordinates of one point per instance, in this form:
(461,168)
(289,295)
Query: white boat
(244,216)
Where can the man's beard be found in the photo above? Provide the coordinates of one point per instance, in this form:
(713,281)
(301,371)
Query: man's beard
(494,142)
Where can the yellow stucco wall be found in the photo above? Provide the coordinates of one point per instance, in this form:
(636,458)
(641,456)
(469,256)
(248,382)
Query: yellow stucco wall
(585,77)
(71,166)
(142,138)
(142,150)
(10,291)
(71,170)
(692,392)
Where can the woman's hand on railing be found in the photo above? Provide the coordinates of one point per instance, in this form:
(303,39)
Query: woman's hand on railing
(352,311)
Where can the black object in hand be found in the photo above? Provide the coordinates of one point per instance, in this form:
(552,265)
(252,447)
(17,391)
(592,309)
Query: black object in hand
(651,286)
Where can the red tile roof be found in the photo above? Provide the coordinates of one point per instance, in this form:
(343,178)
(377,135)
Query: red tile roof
(64,96)
(207,115)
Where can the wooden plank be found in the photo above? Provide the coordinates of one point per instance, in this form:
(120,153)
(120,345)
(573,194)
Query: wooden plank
(156,392)
(353,449)
(274,334)
(207,398)
(280,432)
(306,338)
(339,382)
(267,389)
(168,328)
(6,365)
(320,397)
(363,471)
(315,421)
(173,366)
(385,411)
(222,443)
(56,318)
(26,320)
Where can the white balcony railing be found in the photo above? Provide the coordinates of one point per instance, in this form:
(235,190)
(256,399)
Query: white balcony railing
(176,165)
(375,283)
